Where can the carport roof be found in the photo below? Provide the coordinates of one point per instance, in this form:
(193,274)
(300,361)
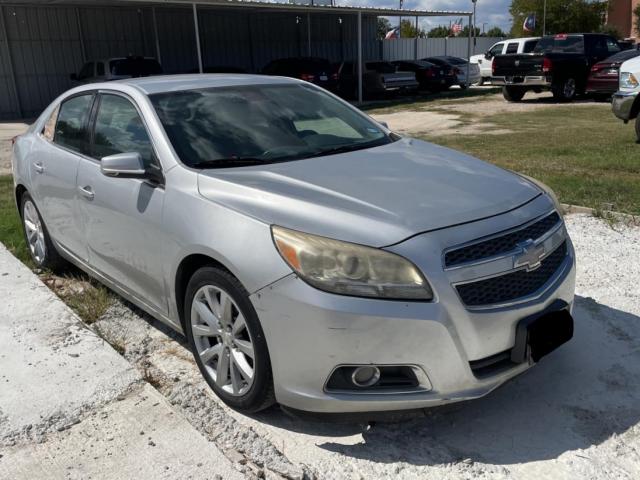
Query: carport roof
(258,5)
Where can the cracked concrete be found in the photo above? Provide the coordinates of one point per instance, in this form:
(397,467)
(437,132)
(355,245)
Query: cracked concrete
(72,407)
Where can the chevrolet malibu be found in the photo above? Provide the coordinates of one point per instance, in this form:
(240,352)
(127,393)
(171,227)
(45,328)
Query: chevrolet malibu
(311,256)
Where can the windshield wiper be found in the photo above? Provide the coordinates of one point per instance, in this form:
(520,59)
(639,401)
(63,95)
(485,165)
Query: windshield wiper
(230,162)
(344,149)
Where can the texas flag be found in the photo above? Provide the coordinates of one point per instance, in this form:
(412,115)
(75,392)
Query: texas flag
(393,33)
(529,23)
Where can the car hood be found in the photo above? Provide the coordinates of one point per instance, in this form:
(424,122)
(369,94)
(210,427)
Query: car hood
(379,196)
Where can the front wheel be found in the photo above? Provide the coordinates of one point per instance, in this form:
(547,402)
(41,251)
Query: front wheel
(564,90)
(513,94)
(227,340)
(637,124)
(41,248)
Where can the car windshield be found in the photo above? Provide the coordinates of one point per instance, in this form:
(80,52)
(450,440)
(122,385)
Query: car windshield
(135,67)
(247,125)
(560,44)
(624,55)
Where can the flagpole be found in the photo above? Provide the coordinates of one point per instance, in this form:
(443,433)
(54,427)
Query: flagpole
(544,18)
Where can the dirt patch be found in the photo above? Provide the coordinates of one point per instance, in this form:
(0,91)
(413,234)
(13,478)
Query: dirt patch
(8,130)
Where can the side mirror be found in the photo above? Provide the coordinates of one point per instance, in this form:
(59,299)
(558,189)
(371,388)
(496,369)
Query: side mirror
(488,55)
(123,165)
(73,76)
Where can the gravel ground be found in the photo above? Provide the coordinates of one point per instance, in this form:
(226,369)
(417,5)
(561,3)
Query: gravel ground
(575,415)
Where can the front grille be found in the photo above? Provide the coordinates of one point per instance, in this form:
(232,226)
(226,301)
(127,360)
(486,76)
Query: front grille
(512,286)
(502,244)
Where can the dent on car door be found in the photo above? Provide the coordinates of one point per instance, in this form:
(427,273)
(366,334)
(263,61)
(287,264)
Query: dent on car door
(122,216)
(54,166)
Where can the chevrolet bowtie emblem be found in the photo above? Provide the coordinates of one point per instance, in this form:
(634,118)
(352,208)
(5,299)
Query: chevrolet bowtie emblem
(530,255)
(517,63)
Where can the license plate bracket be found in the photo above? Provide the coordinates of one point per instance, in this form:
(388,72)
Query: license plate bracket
(542,333)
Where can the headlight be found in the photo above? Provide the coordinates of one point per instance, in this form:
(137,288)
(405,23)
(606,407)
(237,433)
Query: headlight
(628,81)
(350,269)
(546,189)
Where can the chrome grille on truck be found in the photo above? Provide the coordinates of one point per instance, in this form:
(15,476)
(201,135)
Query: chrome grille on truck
(501,244)
(514,285)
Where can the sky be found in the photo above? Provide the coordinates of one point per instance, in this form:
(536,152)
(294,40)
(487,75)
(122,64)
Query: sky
(493,12)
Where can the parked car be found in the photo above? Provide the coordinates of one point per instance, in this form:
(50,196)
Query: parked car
(604,76)
(377,78)
(430,76)
(318,71)
(219,69)
(560,63)
(626,102)
(116,69)
(504,47)
(459,67)
(325,263)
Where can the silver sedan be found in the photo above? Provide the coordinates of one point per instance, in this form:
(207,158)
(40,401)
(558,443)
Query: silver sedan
(311,256)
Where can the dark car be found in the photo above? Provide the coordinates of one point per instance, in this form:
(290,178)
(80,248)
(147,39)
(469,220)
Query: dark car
(377,78)
(460,67)
(604,76)
(314,70)
(560,63)
(118,68)
(430,76)
(219,69)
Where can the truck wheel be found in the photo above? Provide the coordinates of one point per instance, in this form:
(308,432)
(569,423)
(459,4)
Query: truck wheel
(513,94)
(637,124)
(565,90)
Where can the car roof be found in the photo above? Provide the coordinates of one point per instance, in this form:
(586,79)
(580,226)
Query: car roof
(173,83)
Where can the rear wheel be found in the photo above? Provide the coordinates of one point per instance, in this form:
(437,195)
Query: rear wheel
(41,248)
(637,125)
(227,340)
(565,90)
(513,94)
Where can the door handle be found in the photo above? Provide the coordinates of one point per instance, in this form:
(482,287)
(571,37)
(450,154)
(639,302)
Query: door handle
(38,167)
(87,192)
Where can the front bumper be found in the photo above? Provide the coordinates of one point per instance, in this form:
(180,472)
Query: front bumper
(622,103)
(310,332)
(528,81)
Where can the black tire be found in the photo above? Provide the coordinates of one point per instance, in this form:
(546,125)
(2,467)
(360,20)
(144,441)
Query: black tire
(637,126)
(565,90)
(50,259)
(463,86)
(513,94)
(482,81)
(260,394)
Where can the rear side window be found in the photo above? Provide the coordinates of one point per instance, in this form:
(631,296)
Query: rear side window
(512,48)
(496,49)
(119,129)
(529,46)
(72,120)
(561,44)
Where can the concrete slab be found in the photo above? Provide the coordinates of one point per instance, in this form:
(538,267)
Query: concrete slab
(138,437)
(72,407)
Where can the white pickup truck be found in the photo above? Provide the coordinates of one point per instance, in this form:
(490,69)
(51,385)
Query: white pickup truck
(626,102)
(513,45)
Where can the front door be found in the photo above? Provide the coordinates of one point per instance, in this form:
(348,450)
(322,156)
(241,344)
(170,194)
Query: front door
(122,217)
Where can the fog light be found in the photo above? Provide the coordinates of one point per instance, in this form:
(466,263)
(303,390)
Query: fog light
(364,377)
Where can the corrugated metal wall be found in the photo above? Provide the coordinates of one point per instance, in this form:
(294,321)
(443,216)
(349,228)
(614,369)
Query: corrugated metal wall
(404,48)
(47,43)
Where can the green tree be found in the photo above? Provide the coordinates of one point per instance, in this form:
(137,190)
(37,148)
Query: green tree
(495,32)
(408,29)
(465,32)
(440,31)
(563,16)
(636,18)
(384,25)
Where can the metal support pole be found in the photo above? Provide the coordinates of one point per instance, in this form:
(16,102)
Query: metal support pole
(469,53)
(81,36)
(359,57)
(474,27)
(309,34)
(544,18)
(197,29)
(155,35)
(12,73)
(416,44)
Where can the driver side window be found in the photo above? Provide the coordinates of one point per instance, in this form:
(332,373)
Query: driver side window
(119,129)
(496,49)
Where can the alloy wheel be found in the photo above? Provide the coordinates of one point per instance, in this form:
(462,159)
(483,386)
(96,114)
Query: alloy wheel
(222,340)
(35,231)
(569,89)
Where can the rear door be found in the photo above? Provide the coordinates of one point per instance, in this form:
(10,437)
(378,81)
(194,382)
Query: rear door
(122,217)
(53,172)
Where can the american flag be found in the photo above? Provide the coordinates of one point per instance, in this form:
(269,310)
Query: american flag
(456,28)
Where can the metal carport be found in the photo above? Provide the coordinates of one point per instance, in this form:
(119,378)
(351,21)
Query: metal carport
(42,42)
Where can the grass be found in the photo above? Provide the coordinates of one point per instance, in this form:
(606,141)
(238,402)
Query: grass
(86,297)
(587,156)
